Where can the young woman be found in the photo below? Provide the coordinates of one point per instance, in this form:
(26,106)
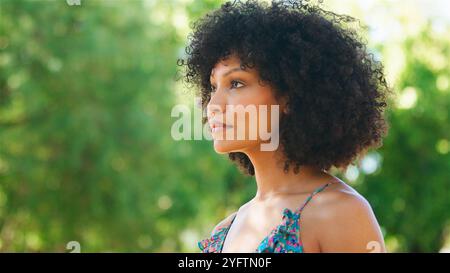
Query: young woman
(331,96)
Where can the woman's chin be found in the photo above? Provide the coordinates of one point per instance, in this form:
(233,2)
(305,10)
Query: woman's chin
(223,146)
(229,146)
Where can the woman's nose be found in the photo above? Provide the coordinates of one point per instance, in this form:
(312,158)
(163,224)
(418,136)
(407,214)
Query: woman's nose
(216,104)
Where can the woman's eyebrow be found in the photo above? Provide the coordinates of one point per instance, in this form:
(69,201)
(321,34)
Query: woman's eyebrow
(230,71)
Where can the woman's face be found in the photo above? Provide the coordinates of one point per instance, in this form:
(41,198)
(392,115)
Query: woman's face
(241,111)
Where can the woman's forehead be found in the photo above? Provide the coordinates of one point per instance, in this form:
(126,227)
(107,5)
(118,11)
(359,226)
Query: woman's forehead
(230,64)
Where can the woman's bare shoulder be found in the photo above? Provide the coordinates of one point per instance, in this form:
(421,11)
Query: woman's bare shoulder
(224,222)
(343,220)
(227,220)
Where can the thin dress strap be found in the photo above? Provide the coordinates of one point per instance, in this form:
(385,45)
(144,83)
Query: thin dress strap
(227,228)
(316,191)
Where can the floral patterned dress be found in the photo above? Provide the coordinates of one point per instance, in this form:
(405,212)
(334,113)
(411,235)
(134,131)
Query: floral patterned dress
(284,238)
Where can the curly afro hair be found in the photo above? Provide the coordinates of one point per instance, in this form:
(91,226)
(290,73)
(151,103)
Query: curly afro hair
(336,91)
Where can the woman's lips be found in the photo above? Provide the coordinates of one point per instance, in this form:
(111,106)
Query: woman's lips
(216,127)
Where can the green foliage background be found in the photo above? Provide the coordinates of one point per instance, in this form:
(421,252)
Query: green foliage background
(86,152)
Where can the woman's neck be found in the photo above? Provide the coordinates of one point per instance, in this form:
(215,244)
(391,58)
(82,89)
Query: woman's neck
(271,179)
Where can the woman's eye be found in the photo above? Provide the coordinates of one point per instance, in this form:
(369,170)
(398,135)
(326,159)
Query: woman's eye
(234,84)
